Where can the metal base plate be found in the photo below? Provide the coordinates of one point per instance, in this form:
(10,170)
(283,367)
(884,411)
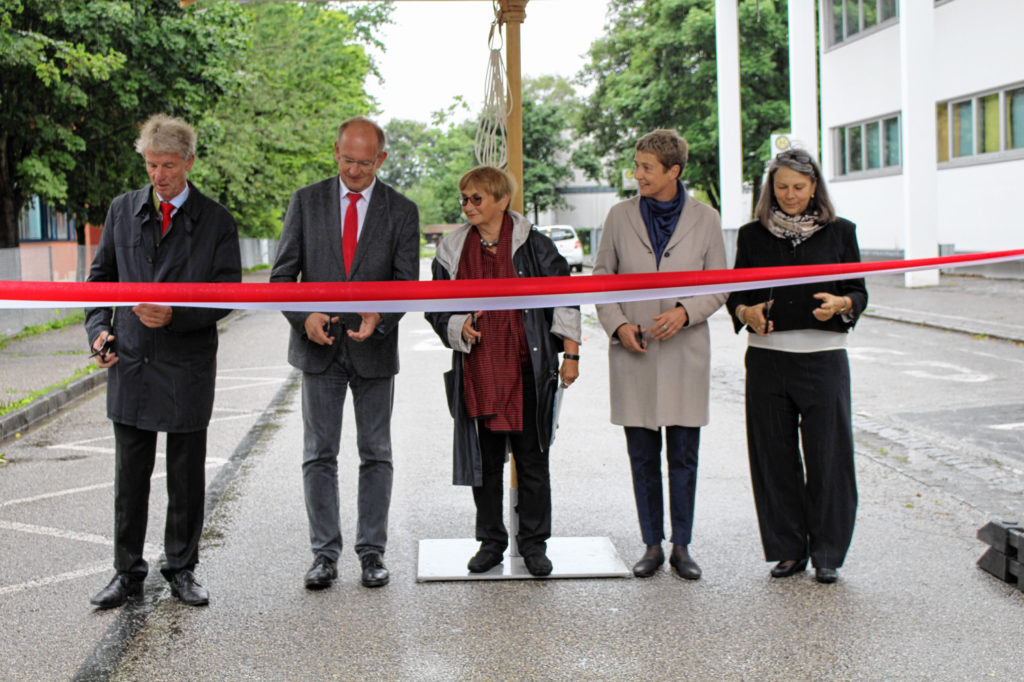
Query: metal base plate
(571,558)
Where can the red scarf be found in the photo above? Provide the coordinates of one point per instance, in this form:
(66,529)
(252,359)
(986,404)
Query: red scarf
(493,371)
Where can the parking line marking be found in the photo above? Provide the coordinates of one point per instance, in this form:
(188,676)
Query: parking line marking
(56,533)
(54,579)
(61,493)
(211,463)
(1008,427)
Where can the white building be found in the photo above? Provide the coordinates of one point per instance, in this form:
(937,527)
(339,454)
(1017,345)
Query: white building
(953,73)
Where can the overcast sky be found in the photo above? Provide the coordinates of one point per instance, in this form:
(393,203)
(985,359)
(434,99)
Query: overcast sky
(438,49)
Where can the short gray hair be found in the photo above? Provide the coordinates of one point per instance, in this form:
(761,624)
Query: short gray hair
(163,134)
(668,145)
(802,162)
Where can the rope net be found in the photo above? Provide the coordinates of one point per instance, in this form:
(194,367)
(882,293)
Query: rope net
(491,144)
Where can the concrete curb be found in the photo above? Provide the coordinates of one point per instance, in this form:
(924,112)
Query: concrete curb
(50,404)
(962,327)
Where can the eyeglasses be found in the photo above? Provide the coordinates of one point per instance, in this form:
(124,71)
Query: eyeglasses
(363,165)
(476,199)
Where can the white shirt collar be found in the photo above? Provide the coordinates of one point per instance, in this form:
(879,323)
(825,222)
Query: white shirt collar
(366,193)
(179,200)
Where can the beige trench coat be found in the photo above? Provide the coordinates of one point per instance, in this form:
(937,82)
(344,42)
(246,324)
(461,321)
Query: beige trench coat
(670,384)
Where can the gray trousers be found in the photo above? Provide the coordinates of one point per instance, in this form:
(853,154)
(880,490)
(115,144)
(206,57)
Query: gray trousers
(323,397)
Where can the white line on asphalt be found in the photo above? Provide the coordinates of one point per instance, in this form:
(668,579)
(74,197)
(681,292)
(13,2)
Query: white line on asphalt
(252,384)
(61,493)
(251,369)
(211,463)
(56,533)
(1008,427)
(54,579)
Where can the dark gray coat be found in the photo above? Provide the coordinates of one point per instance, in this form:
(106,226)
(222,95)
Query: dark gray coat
(310,251)
(533,255)
(164,378)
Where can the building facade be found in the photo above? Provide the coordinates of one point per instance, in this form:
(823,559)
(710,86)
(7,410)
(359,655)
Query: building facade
(970,60)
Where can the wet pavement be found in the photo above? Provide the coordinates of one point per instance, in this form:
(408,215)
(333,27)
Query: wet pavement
(910,603)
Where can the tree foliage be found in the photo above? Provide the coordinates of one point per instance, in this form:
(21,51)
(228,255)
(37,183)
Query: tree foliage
(76,79)
(303,74)
(548,104)
(425,162)
(655,68)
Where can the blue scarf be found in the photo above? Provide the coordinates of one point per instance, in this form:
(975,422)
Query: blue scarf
(661,218)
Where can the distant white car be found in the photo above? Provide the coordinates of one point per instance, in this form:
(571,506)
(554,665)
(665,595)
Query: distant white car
(568,243)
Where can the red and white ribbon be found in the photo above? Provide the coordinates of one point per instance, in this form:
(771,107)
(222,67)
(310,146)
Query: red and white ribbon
(505,294)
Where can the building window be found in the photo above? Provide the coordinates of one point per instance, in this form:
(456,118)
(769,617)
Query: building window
(852,17)
(988,123)
(1015,119)
(868,146)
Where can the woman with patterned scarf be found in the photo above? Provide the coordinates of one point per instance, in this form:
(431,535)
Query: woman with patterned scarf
(505,370)
(798,374)
(659,351)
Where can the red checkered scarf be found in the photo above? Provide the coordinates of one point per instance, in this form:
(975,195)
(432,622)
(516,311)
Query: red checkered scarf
(492,372)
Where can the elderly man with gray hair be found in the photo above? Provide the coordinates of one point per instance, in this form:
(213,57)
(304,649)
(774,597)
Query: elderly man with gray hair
(161,360)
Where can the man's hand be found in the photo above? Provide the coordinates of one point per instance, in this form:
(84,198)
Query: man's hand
(366,327)
(317,325)
(152,315)
(103,359)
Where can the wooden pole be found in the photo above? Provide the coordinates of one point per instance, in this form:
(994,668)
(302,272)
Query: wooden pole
(513,13)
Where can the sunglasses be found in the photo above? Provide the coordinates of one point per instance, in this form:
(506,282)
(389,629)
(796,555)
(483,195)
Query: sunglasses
(476,199)
(799,157)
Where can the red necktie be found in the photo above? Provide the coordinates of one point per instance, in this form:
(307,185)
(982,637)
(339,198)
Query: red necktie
(351,231)
(166,208)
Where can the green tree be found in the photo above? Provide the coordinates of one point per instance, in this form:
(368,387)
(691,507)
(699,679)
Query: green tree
(76,79)
(425,161)
(655,68)
(548,105)
(304,73)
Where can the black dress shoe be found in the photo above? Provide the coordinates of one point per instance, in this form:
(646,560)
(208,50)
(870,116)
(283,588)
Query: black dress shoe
(119,590)
(374,572)
(784,569)
(826,575)
(322,573)
(685,567)
(538,564)
(483,561)
(185,587)
(649,562)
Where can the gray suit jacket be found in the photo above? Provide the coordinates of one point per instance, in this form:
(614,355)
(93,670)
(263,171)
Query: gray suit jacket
(310,251)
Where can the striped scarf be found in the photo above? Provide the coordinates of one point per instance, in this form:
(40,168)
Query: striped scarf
(492,372)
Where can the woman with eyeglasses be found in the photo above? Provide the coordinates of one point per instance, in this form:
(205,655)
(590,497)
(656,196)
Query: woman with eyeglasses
(659,351)
(798,373)
(505,369)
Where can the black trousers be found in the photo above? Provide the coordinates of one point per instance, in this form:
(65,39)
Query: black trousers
(801,401)
(531,457)
(135,454)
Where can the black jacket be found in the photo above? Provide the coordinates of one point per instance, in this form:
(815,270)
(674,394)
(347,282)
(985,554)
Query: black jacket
(164,378)
(534,255)
(756,247)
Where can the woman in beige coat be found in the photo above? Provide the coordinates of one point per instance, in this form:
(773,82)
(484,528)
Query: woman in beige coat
(659,351)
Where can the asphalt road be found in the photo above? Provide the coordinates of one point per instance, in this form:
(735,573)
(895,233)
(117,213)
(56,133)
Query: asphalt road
(938,454)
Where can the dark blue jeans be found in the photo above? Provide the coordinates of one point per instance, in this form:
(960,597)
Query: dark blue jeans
(644,446)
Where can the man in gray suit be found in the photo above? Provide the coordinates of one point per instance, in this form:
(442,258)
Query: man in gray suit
(348,228)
